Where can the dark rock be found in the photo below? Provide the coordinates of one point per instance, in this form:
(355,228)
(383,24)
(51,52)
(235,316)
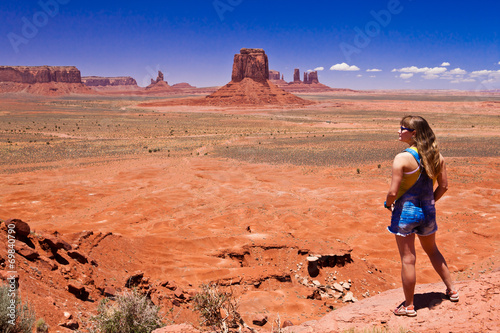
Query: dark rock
(22,228)
(134,280)
(286,323)
(78,256)
(260,321)
(296,76)
(53,243)
(77,289)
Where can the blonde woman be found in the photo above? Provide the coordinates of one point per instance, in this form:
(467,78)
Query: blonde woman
(411,200)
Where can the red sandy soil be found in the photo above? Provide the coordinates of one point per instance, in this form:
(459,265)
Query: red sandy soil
(184,220)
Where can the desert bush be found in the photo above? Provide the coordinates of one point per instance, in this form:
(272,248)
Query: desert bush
(132,312)
(24,318)
(41,326)
(217,308)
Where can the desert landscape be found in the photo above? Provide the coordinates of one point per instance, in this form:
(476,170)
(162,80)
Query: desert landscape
(280,203)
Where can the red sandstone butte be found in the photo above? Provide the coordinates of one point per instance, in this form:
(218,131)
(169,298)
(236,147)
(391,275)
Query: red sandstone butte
(250,84)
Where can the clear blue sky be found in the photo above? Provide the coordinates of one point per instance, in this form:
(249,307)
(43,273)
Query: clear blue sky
(406,44)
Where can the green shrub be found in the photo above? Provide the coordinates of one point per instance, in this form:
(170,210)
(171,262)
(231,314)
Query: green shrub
(23,319)
(132,312)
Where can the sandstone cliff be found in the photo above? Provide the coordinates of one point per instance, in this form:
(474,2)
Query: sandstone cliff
(42,80)
(99,81)
(40,74)
(250,83)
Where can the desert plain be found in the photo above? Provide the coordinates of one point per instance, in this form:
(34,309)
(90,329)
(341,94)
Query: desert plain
(176,196)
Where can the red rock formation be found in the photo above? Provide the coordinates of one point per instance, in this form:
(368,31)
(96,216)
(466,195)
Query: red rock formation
(250,84)
(296,76)
(40,74)
(42,80)
(252,64)
(160,85)
(183,85)
(99,81)
(313,77)
(274,75)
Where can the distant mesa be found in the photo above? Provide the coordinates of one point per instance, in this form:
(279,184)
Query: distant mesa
(250,84)
(42,80)
(40,74)
(183,85)
(99,81)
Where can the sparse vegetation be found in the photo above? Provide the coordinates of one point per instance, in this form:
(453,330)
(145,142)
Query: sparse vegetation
(132,312)
(41,326)
(20,320)
(217,308)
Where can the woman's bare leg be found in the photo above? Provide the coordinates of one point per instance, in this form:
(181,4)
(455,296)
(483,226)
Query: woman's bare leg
(437,259)
(406,246)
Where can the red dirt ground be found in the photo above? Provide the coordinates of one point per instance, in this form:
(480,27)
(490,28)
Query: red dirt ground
(248,224)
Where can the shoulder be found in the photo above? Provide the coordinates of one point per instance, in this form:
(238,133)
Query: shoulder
(402,159)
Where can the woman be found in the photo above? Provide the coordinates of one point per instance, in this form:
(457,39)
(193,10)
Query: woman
(411,199)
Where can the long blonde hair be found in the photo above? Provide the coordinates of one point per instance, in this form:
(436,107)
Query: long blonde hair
(426,144)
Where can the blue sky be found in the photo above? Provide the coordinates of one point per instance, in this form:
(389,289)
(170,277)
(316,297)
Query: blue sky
(387,44)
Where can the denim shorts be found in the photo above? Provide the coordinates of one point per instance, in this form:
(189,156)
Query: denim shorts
(410,217)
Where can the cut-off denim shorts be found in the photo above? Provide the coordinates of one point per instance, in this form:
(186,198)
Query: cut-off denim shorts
(414,211)
(413,217)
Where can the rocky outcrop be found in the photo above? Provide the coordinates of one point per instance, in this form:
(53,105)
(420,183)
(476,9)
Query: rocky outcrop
(310,78)
(296,76)
(99,81)
(313,78)
(159,85)
(250,83)
(40,74)
(309,84)
(274,75)
(252,64)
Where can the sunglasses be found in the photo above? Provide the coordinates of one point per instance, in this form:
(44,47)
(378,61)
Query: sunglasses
(405,128)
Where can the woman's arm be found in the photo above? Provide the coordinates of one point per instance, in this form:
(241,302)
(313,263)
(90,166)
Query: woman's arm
(397,176)
(442,180)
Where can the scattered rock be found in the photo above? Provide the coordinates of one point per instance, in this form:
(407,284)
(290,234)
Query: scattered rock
(77,289)
(22,228)
(338,287)
(134,280)
(286,323)
(260,321)
(47,263)
(53,243)
(78,256)
(349,297)
(26,251)
(71,324)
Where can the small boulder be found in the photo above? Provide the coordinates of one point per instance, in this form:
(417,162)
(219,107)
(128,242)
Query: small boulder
(78,256)
(260,321)
(22,228)
(77,289)
(26,251)
(134,280)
